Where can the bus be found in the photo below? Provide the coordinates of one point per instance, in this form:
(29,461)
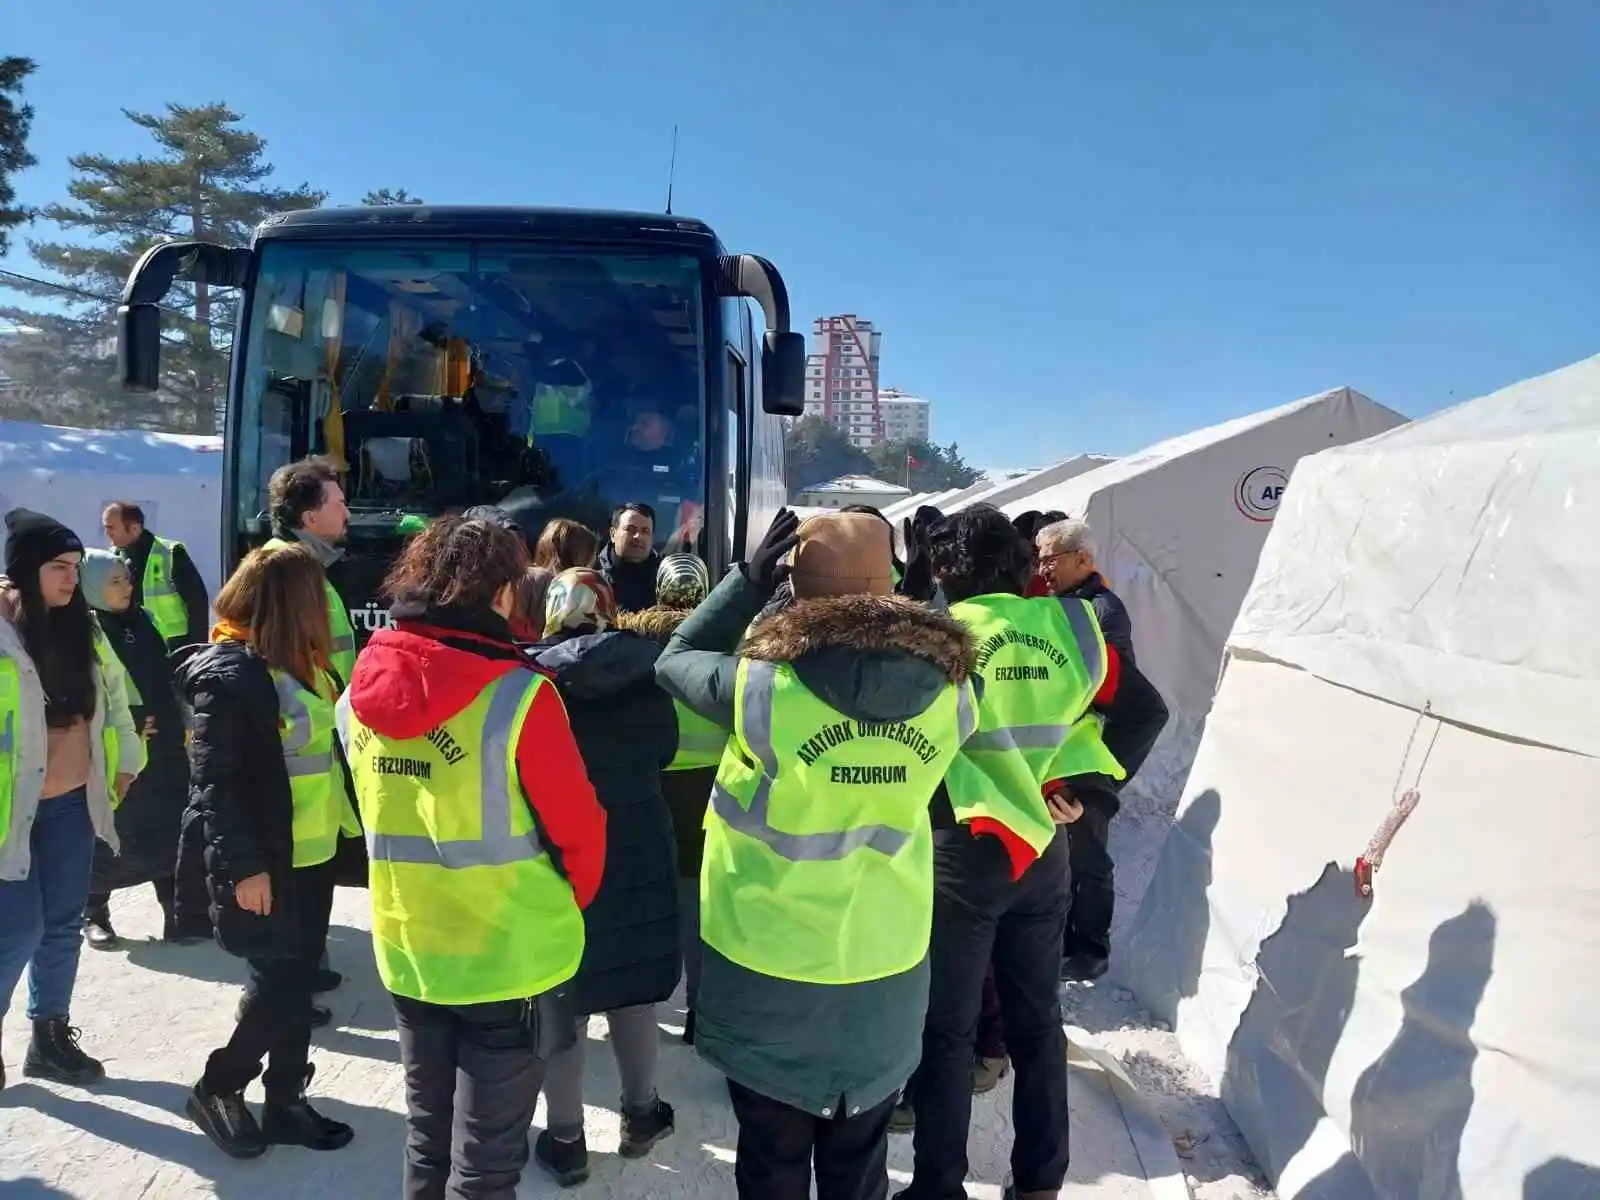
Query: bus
(551,362)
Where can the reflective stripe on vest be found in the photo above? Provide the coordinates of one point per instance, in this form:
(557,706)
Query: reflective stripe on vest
(700,742)
(1091,647)
(467,908)
(158,593)
(496,846)
(322,807)
(1037,657)
(752,821)
(852,899)
(10,711)
(110,739)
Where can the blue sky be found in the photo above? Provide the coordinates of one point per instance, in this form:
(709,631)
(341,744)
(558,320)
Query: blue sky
(1081,226)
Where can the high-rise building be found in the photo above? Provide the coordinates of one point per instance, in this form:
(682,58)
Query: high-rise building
(905,417)
(842,377)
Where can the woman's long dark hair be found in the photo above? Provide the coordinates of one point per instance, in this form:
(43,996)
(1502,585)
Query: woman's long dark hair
(60,641)
(979,552)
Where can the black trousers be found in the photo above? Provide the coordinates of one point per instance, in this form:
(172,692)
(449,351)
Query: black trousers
(275,1023)
(779,1145)
(981,916)
(472,1083)
(95,906)
(1094,890)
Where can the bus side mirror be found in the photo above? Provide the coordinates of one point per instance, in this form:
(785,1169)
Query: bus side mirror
(783,374)
(139,314)
(139,347)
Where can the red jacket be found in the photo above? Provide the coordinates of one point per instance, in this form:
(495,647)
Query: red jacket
(412,677)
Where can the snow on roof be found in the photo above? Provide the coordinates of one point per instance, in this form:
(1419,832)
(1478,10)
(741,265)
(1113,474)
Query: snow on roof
(25,446)
(858,483)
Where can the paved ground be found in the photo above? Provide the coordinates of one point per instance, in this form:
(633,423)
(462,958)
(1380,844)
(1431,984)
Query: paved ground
(153,1012)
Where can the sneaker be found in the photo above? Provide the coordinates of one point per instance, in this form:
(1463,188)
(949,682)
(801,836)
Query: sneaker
(987,1074)
(565,1162)
(227,1121)
(641,1132)
(903,1119)
(54,1055)
(292,1121)
(98,933)
(1084,968)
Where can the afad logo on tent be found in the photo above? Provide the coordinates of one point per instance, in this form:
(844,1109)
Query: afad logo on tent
(1258,492)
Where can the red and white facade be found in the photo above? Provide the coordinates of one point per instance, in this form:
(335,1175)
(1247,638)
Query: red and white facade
(842,377)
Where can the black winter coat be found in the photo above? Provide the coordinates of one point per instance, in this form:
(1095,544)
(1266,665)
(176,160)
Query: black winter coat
(632,583)
(240,807)
(150,814)
(627,732)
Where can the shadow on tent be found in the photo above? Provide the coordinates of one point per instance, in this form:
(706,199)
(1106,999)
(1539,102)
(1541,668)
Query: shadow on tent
(1410,1107)
(1167,946)
(1562,1179)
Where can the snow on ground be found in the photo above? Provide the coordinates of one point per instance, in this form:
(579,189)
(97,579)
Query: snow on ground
(153,1012)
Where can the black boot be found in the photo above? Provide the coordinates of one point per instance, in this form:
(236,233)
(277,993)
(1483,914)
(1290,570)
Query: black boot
(97,929)
(54,1055)
(567,1162)
(641,1131)
(291,1121)
(226,1120)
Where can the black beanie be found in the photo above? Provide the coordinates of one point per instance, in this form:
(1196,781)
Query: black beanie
(33,539)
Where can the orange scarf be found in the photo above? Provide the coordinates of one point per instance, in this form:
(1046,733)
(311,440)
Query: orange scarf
(227,631)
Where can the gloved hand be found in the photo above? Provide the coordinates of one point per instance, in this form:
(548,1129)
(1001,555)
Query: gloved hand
(917,579)
(764,571)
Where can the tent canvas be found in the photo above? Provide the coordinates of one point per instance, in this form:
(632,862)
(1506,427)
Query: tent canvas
(72,474)
(1179,527)
(1419,622)
(1002,491)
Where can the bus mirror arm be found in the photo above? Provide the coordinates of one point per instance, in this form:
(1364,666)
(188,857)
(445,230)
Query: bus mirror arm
(139,313)
(783,352)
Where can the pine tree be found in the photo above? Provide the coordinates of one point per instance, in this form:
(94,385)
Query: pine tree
(383,197)
(206,182)
(815,452)
(16,120)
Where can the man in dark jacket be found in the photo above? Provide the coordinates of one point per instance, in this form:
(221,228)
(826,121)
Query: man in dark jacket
(125,530)
(630,559)
(1134,718)
(814,1068)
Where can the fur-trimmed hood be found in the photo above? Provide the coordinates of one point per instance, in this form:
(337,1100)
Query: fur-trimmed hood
(658,623)
(866,624)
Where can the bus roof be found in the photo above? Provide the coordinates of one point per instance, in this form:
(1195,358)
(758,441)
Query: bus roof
(443,220)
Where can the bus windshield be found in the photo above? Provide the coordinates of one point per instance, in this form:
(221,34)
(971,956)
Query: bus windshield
(549,382)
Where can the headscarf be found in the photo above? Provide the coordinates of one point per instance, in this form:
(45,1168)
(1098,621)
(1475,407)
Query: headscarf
(682,581)
(95,573)
(579,601)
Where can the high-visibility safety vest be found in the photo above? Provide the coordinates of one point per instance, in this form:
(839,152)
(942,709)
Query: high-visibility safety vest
(322,805)
(344,634)
(110,739)
(10,730)
(1042,661)
(818,862)
(559,411)
(160,595)
(467,906)
(700,742)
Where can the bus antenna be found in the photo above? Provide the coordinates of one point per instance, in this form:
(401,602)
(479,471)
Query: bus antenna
(672,168)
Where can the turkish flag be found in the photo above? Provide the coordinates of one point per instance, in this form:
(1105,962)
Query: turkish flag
(911,461)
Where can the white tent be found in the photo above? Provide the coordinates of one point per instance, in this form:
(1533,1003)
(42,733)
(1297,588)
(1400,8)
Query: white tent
(1422,622)
(1001,491)
(72,474)
(1179,527)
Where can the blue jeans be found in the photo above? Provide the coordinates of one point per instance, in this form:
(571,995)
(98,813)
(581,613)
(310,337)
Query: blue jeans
(41,917)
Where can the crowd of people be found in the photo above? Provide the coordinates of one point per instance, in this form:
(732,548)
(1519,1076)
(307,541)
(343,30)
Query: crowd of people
(856,801)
